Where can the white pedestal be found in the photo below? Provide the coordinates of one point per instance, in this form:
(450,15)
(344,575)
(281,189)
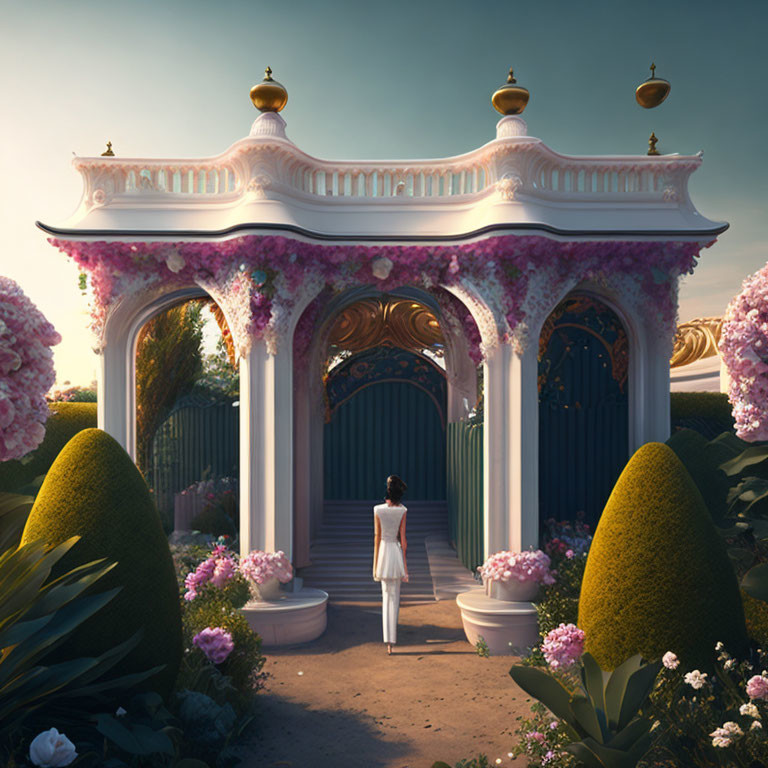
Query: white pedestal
(295,617)
(499,622)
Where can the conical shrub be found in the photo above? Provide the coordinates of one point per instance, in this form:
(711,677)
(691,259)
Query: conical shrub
(657,577)
(94,490)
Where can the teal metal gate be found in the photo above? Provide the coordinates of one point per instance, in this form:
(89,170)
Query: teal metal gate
(386,415)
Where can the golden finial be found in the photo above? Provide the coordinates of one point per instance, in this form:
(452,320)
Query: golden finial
(109,152)
(652,142)
(653,91)
(269,95)
(511,98)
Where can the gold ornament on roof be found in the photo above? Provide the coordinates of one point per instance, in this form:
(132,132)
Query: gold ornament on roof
(269,95)
(109,152)
(652,142)
(653,91)
(510,99)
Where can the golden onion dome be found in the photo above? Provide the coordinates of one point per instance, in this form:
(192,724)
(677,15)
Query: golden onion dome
(511,98)
(269,95)
(653,91)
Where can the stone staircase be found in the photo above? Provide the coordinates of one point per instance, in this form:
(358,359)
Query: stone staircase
(342,552)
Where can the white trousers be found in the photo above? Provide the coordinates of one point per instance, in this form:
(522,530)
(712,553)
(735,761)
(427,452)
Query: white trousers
(390,607)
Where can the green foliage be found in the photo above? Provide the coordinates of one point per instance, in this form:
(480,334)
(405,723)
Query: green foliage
(709,413)
(543,739)
(168,362)
(243,665)
(603,714)
(65,421)
(657,576)
(14,511)
(702,463)
(560,604)
(481,647)
(38,612)
(94,490)
(214,519)
(481,761)
(218,373)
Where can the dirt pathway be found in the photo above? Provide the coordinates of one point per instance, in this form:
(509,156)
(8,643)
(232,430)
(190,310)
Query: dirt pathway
(341,702)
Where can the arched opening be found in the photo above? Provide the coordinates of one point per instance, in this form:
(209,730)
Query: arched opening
(385,375)
(186,389)
(583,385)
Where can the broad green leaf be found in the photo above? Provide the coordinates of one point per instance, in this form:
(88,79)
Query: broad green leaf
(548,690)
(616,688)
(629,736)
(755,582)
(639,687)
(587,717)
(116,732)
(754,455)
(594,680)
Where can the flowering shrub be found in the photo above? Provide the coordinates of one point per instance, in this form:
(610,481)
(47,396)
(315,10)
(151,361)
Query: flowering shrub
(26,371)
(215,642)
(744,350)
(565,539)
(520,566)
(260,566)
(219,572)
(72,395)
(563,646)
(543,739)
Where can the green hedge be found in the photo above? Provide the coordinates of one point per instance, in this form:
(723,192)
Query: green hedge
(709,413)
(65,421)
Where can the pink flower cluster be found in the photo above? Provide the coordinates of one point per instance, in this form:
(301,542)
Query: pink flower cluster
(26,371)
(563,645)
(260,566)
(217,570)
(503,264)
(215,642)
(744,350)
(531,565)
(757,687)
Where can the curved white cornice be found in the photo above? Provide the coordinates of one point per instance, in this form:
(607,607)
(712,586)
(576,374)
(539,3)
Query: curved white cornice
(264,181)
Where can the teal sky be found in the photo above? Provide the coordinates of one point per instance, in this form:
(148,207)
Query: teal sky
(384,80)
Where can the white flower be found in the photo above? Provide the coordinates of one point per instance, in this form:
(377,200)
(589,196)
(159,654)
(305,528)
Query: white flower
(175,262)
(382,267)
(51,749)
(670,661)
(729,664)
(755,725)
(696,679)
(718,646)
(749,710)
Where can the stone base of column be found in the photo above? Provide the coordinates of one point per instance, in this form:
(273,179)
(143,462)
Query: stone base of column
(294,617)
(507,628)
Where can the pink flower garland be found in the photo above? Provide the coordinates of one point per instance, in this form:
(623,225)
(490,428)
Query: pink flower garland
(504,262)
(744,349)
(26,371)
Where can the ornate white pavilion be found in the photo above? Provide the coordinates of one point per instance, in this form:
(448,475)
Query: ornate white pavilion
(494,252)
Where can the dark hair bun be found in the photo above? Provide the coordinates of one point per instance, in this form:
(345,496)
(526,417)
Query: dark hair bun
(395,488)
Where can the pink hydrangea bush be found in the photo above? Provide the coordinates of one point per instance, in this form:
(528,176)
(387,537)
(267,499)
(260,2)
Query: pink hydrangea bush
(217,570)
(26,371)
(215,642)
(258,567)
(563,646)
(531,565)
(757,687)
(744,350)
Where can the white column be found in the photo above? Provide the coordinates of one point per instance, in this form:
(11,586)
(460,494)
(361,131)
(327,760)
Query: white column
(115,393)
(266,449)
(657,386)
(511,450)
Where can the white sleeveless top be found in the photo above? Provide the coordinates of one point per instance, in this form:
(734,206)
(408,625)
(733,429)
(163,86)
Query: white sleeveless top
(389,564)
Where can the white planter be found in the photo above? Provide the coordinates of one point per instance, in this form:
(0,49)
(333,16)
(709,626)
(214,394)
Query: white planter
(512,591)
(298,617)
(269,590)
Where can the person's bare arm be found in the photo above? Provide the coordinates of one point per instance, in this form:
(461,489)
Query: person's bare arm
(403,543)
(376,541)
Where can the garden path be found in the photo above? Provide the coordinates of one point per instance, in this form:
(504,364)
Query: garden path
(341,702)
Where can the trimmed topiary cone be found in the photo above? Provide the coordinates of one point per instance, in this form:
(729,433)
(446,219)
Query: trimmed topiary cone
(95,491)
(657,577)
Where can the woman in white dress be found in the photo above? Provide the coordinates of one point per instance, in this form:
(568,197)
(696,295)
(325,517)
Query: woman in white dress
(389,566)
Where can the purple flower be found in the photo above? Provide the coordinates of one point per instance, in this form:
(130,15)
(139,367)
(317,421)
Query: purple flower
(215,642)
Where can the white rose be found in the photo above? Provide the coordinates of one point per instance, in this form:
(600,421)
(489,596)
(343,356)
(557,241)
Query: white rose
(381,268)
(51,749)
(175,262)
